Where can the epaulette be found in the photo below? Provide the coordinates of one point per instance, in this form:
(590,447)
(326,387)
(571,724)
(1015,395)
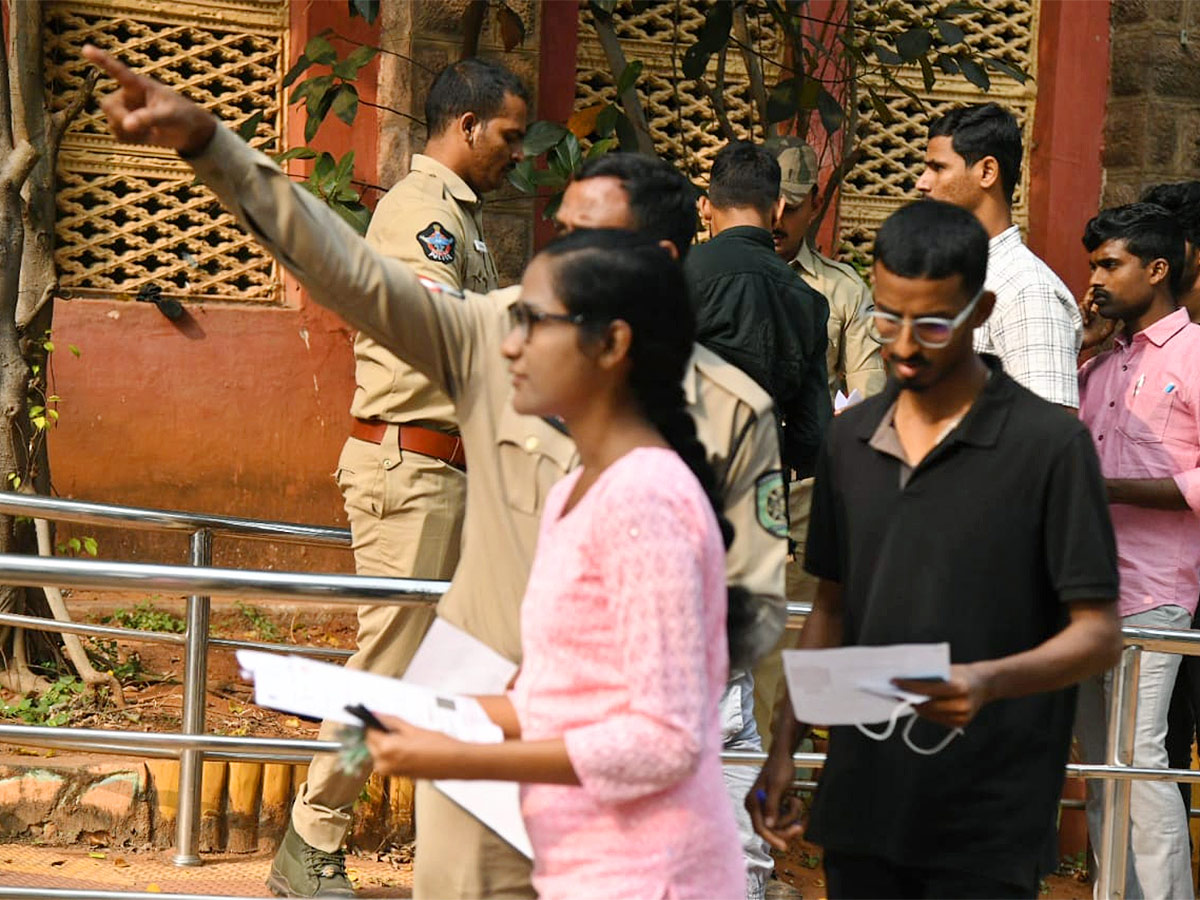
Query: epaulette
(733,380)
(437,287)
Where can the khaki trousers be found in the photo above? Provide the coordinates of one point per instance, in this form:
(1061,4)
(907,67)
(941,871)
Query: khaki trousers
(769,685)
(405,513)
(459,857)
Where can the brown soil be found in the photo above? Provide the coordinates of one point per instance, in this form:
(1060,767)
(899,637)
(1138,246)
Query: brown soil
(154,697)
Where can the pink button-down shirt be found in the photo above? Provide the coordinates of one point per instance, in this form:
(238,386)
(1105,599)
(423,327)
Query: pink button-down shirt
(1141,401)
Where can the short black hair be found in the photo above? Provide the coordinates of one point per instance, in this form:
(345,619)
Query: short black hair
(980,130)
(662,201)
(1182,200)
(932,239)
(744,174)
(1149,231)
(469,85)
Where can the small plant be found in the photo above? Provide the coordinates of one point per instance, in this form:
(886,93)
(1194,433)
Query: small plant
(55,705)
(266,629)
(147,617)
(79,546)
(107,658)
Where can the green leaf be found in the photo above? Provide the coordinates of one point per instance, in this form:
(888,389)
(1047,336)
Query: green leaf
(948,64)
(713,35)
(52,413)
(961,9)
(521,176)
(552,206)
(367,9)
(297,70)
(554,178)
(343,171)
(1018,75)
(308,85)
(885,55)
(975,73)
(296,153)
(950,33)
(832,114)
(927,73)
(629,76)
(785,99)
(317,106)
(356,215)
(541,136)
(74,544)
(324,167)
(601,147)
(319,50)
(48,346)
(569,153)
(90,546)
(349,67)
(603,8)
(913,43)
(75,351)
(345,103)
(607,120)
(626,133)
(248,128)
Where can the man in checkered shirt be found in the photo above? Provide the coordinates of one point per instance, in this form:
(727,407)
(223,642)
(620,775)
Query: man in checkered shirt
(974,161)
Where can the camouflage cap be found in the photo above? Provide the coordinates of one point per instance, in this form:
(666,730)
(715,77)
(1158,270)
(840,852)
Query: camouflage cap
(798,167)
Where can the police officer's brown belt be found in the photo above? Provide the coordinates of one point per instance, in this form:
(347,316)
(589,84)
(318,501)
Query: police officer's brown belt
(414,439)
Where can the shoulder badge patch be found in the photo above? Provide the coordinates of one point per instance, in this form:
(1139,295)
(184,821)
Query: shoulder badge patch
(770,502)
(437,243)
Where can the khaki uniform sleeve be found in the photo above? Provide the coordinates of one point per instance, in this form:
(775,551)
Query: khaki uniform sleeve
(862,363)
(381,297)
(426,234)
(755,506)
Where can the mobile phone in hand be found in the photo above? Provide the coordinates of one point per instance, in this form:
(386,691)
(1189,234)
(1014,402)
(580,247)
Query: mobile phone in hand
(367,717)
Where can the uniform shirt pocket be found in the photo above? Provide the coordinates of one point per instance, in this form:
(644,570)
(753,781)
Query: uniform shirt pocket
(1148,416)
(533,456)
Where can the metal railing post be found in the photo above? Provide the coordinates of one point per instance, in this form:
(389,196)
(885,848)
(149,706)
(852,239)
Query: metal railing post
(1122,729)
(195,692)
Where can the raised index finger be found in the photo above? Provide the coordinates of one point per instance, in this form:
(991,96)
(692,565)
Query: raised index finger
(124,75)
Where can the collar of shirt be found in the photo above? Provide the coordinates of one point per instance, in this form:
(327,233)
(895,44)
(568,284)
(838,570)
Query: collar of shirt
(749,233)
(1160,332)
(981,425)
(805,259)
(458,188)
(1005,241)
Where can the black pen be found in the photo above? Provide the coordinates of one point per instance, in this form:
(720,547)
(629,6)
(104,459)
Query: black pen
(367,717)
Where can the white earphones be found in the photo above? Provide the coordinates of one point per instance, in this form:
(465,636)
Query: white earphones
(904,708)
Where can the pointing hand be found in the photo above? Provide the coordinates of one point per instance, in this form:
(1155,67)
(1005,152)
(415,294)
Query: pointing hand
(143,111)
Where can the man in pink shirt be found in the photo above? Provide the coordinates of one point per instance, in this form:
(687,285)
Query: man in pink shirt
(1141,401)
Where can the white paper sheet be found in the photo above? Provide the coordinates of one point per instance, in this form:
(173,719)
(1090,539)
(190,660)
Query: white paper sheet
(841,401)
(450,660)
(845,685)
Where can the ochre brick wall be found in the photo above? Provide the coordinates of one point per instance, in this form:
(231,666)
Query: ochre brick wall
(1152,128)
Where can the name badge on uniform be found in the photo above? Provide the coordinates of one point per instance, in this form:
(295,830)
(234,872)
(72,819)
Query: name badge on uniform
(480,246)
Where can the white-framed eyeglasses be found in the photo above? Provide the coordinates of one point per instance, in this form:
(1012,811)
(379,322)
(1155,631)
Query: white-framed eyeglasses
(928,331)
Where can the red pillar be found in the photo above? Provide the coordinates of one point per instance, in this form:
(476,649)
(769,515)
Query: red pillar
(1065,172)
(556,82)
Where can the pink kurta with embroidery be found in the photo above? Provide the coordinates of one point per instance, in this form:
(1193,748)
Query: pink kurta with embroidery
(625,657)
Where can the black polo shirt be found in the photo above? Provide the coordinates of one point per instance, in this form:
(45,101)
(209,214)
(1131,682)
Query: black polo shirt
(981,545)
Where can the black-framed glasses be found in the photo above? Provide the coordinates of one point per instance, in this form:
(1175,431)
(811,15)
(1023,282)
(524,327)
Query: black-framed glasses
(933,332)
(522,317)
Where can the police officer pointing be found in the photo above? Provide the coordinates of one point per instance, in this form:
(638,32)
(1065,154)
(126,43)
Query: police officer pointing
(402,469)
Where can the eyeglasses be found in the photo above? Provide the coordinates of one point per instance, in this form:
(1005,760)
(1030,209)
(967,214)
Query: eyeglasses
(522,317)
(928,331)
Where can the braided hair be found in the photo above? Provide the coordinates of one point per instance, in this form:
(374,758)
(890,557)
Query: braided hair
(607,274)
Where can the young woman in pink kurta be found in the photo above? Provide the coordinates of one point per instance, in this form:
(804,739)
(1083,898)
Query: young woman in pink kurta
(612,724)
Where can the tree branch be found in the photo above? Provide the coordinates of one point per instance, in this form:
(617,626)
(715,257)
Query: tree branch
(6,132)
(472,27)
(741,33)
(630,101)
(717,97)
(18,164)
(61,120)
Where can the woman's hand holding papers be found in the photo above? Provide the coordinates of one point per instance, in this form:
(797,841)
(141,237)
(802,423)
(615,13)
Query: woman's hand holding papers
(416,752)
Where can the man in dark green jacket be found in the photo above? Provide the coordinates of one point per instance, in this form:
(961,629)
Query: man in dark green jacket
(752,309)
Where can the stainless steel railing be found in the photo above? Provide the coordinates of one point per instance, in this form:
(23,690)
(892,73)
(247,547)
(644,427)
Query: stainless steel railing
(201,582)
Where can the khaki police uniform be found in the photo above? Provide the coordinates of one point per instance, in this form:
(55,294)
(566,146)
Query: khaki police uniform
(854,363)
(454,339)
(401,470)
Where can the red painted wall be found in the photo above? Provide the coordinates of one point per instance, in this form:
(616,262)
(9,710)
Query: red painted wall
(243,413)
(1065,172)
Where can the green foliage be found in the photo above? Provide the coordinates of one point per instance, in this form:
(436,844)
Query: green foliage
(106,657)
(80,546)
(331,182)
(263,626)
(54,706)
(147,617)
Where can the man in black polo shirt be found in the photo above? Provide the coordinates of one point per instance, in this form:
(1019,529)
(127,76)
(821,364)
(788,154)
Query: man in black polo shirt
(955,506)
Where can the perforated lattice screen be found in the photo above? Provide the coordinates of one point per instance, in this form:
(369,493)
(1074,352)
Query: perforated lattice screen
(130,216)
(659,32)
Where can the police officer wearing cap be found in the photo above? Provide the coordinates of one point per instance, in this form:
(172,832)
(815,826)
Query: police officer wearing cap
(402,471)
(852,359)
